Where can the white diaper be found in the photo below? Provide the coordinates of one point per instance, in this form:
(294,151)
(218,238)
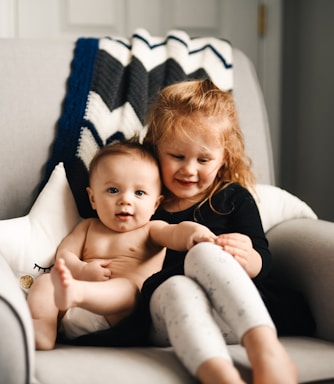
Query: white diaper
(78,322)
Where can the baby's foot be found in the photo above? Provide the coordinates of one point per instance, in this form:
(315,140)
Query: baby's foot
(65,286)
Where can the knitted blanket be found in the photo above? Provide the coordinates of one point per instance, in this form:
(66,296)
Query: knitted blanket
(111,84)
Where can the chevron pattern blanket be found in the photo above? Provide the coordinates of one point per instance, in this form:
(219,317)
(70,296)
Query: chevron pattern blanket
(111,84)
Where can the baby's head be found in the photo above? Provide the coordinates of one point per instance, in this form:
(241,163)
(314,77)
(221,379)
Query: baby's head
(129,148)
(124,185)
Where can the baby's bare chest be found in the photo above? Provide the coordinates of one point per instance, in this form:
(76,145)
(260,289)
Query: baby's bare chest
(129,247)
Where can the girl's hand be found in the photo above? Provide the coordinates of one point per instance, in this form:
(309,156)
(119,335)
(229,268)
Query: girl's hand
(96,270)
(241,248)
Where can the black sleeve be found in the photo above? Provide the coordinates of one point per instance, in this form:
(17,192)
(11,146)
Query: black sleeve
(241,214)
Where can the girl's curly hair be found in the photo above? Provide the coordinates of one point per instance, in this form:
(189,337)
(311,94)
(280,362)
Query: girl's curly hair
(189,101)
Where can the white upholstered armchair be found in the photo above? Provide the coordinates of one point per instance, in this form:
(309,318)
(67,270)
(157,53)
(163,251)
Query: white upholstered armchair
(33,85)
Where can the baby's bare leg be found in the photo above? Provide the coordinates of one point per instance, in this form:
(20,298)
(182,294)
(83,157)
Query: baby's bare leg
(44,312)
(270,362)
(114,298)
(67,291)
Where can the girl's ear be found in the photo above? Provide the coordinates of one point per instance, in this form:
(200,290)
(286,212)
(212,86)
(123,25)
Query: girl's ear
(221,171)
(91,197)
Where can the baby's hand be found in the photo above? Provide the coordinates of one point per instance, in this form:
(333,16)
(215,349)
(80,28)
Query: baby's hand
(202,234)
(96,270)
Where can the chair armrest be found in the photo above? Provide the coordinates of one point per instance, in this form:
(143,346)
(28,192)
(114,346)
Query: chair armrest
(16,331)
(303,257)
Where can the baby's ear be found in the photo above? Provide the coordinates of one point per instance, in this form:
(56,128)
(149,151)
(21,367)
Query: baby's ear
(91,197)
(159,201)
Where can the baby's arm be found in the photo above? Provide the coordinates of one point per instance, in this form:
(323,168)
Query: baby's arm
(180,237)
(71,248)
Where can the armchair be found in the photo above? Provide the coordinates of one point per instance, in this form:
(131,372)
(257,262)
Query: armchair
(33,84)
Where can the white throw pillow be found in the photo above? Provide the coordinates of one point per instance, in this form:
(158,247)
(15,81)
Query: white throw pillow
(277,205)
(29,243)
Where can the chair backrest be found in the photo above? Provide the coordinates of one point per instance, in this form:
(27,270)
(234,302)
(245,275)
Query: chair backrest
(253,117)
(33,76)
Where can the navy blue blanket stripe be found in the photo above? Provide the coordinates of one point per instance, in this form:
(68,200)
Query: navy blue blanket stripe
(78,86)
(112,83)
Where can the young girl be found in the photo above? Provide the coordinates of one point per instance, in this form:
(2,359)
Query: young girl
(209,297)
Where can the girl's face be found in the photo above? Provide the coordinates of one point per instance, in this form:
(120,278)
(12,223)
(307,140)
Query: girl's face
(189,167)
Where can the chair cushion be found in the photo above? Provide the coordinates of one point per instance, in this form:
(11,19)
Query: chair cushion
(29,243)
(277,205)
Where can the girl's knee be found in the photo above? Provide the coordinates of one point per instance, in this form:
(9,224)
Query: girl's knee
(203,255)
(201,250)
(203,247)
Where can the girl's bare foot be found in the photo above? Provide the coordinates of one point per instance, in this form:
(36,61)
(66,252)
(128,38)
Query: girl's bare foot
(66,289)
(218,371)
(270,361)
(275,369)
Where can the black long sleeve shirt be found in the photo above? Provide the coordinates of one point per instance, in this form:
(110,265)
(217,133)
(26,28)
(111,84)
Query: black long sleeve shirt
(235,210)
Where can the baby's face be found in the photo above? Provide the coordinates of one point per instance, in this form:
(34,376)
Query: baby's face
(125,191)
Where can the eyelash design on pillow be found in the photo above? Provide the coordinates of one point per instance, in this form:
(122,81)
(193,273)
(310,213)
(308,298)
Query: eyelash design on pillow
(44,269)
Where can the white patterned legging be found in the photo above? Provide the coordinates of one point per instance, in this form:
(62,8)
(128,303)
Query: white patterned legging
(213,305)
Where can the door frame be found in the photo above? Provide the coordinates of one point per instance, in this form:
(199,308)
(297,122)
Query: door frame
(270,73)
